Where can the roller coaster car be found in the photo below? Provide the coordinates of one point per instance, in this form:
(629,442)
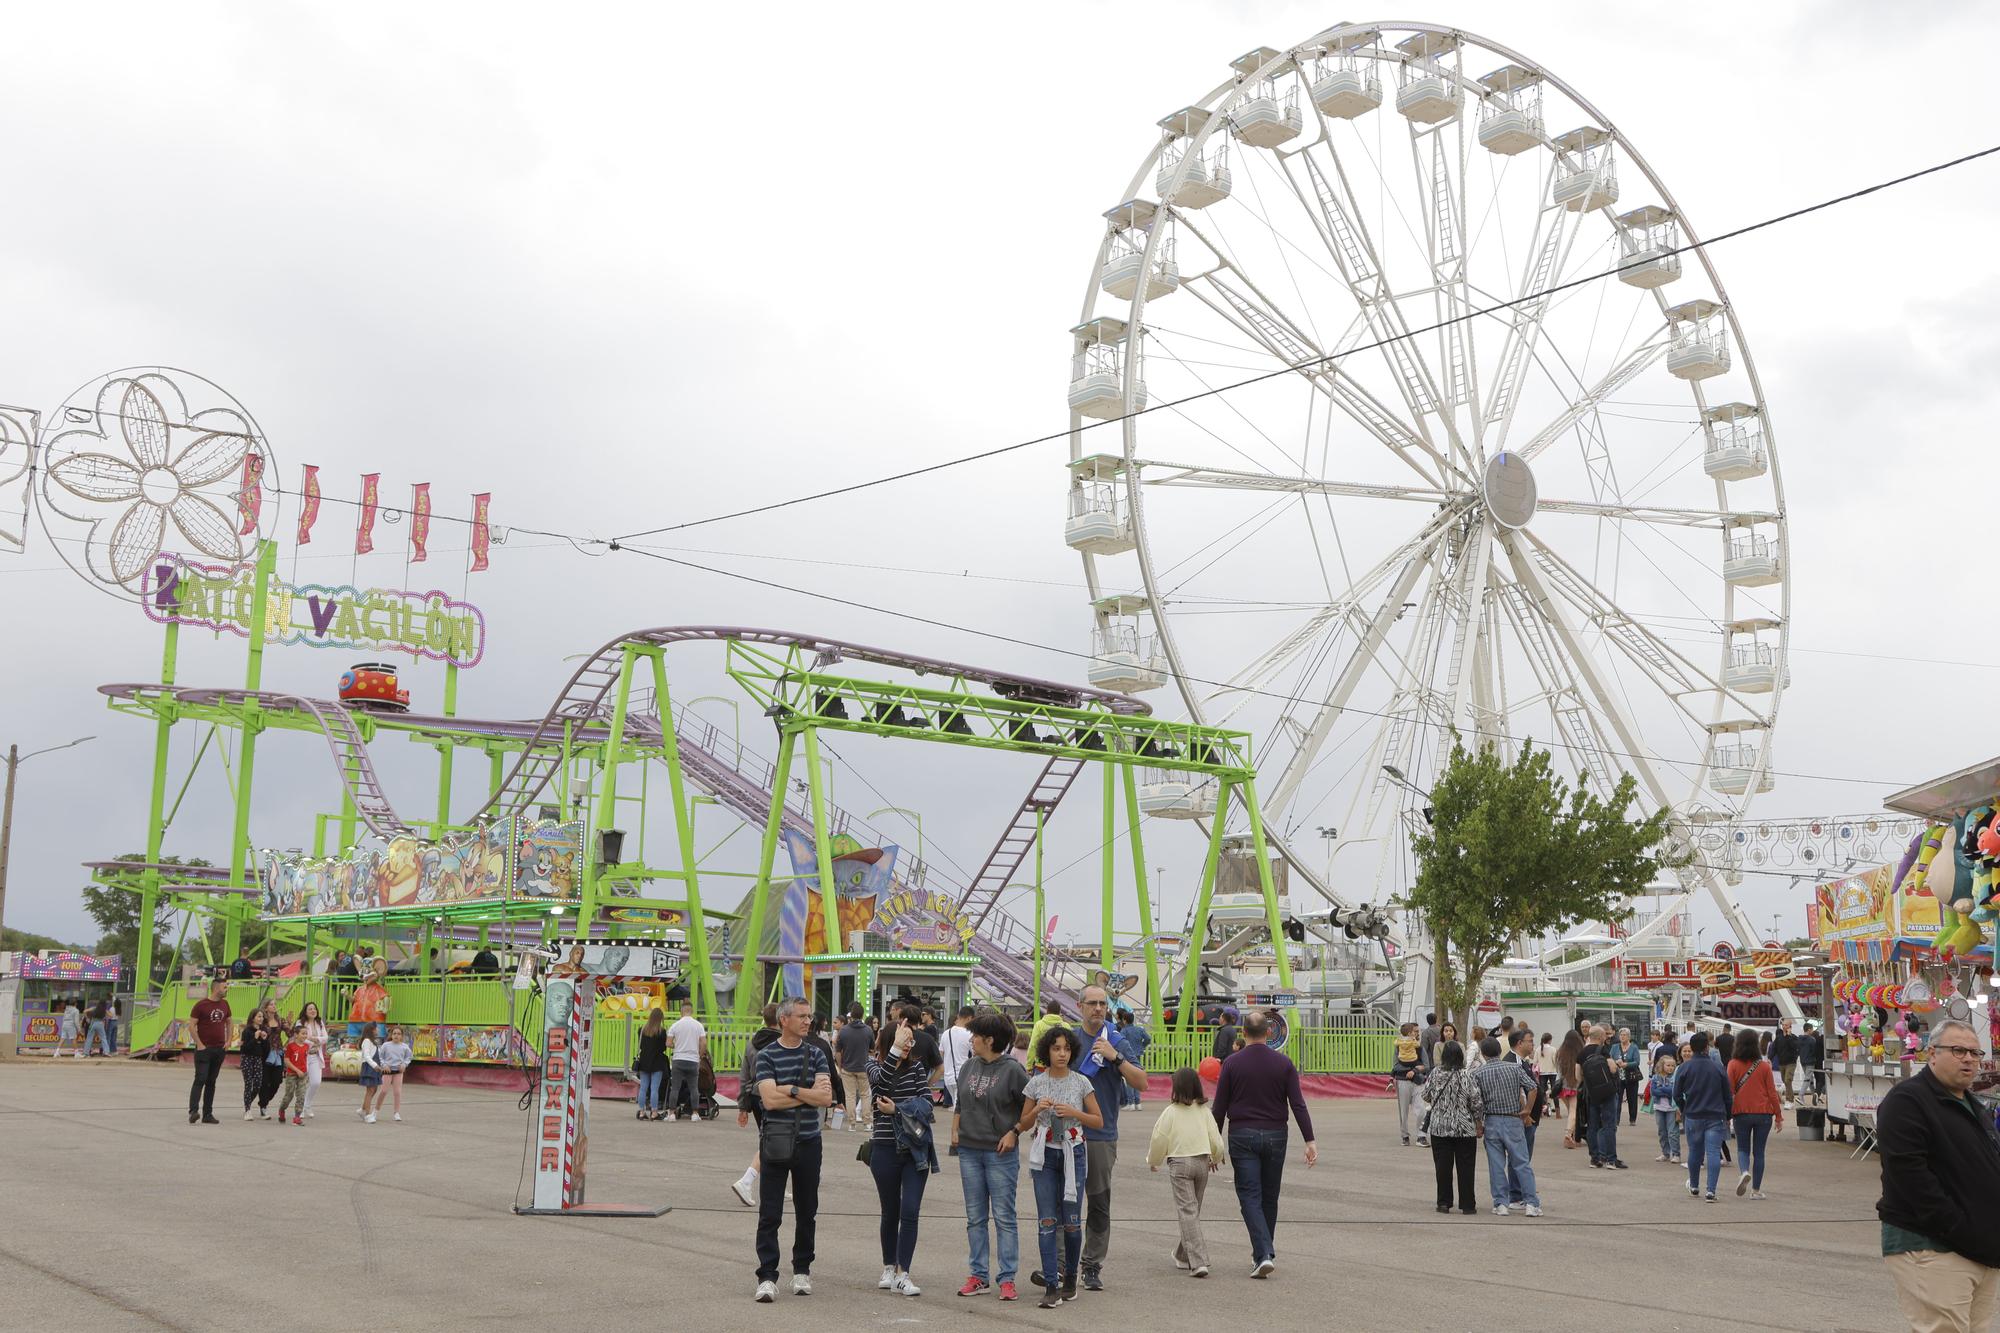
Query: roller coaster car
(372,685)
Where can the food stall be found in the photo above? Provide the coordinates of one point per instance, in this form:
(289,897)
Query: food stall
(34,987)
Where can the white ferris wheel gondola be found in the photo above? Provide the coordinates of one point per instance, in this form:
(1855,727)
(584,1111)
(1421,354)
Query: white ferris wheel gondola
(1464,493)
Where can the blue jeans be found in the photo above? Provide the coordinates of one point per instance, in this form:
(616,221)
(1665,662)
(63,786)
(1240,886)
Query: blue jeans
(990,1181)
(899,1185)
(1704,1142)
(649,1089)
(1510,1178)
(1604,1130)
(1752,1131)
(1059,1232)
(1257,1158)
(97,1035)
(1670,1133)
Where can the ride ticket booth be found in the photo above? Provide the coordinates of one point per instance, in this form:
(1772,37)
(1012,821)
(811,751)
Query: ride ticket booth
(873,978)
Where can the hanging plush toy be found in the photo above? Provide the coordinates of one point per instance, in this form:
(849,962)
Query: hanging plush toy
(1958,932)
(1913,875)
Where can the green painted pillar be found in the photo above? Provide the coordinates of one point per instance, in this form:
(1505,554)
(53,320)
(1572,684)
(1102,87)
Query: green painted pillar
(829,893)
(246,766)
(1041,918)
(760,895)
(1107,910)
(701,977)
(156,821)
(1191,976)
(446,752)
(607,789)
(1264,882)
(1134,821)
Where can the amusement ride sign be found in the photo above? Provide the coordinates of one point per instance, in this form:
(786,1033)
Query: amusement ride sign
(223,597)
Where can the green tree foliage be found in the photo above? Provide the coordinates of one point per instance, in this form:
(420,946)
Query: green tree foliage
(27,942)
(1515,851)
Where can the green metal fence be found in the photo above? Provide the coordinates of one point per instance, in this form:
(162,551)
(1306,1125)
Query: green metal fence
(1358,1047)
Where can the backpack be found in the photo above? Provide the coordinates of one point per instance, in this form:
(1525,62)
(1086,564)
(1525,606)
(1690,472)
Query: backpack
(1596,1077)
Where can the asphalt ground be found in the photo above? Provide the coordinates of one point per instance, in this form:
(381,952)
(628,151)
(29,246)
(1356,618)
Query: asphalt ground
(118,1214)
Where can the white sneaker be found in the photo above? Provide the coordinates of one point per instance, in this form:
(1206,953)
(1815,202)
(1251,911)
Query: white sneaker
(905,1287)
(1180,1262)
(1201,1271)
(1661,1158)
(1742,1184)
(1534,1210)
(1500,1210)
(767,1292)
(802,1284)
(309,1115)
(1265,1268)
(888,1282)
(1757,1194)
(1516,1207)
(1693,1193)
(397,1116)
(368,1119)
(246,1115)
(744,1184)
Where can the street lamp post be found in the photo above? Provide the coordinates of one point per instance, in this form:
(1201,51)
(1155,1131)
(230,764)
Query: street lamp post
(14,761)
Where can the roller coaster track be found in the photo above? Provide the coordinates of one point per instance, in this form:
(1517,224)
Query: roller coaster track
(584,705)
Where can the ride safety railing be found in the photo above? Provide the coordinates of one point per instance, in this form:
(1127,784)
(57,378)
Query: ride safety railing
(1339,1047)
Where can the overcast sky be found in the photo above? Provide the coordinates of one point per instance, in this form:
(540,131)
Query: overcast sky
(647,264)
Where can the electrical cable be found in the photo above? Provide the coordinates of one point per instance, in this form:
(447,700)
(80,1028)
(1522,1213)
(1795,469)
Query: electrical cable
(1294,368)
(1552,743)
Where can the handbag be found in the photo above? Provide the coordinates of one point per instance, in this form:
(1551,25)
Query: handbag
(779,1141)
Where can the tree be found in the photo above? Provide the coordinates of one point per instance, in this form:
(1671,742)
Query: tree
(25,942)
(1513,851)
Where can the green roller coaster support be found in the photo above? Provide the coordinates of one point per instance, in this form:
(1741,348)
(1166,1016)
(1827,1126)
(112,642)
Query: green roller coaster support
(1107,952)
(702,980)
(1263,855)
(246,768)
(1146,926)
(156,824)
(746,989)
(1191,976)
(829,891)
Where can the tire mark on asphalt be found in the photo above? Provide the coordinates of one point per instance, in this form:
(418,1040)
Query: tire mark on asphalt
(117,1302)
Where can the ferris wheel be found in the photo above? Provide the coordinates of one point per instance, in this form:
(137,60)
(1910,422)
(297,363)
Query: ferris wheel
(1460,493)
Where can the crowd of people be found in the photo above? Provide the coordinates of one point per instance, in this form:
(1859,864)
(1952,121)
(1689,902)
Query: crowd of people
(285,1060)
(1051,1094)
(85,1030)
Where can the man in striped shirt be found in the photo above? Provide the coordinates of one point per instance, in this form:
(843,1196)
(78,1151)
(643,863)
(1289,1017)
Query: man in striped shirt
(794,1082)
(1507,1090)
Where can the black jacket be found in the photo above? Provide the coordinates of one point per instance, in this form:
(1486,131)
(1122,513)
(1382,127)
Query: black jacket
(1784,1049)
(1812,1050)
(652,1053)
(1940,1168)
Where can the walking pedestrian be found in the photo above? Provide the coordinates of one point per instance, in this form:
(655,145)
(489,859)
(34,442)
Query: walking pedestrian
(1569,1063)
(1109,1072)
(1666,1115)
(851,1048)
(393,1059)
(1406,1069)
(1940,1205)
(1058,1106)
(955,1048)
(296,1051)
(1453,1123)
(1755,1109)
(1133,1041)
(277,1034)
(1507,1093)
(253,1044)
(209,1018)
(1187,1142)
(650,1064)
(1448,1031)
(1784,1057)
(794,1082)
(1427,1041)
(1257,1087)
(1052,1017)
(69,1031)
(1701,1091)
(371,1073)
(1626,1057)
(690,1045)
(313,1027)
(898,1085)
(111,1017)
(1523,1054)
(991,1097)
(1226,1033)
(1601,1084)
(96,1038)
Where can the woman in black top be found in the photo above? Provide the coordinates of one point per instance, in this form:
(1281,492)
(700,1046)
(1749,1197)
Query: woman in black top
(651,1066)
(896,1074)
(254,1046)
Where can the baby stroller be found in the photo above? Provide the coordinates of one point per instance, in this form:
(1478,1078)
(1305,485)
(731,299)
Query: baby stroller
(706,1106)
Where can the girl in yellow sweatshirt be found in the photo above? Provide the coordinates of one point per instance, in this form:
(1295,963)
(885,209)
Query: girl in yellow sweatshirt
(1186,1140)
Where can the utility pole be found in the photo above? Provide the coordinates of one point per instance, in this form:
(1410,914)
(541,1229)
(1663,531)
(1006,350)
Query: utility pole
(14,761)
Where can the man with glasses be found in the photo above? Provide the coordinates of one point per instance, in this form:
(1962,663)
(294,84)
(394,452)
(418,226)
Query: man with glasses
(1940,1205)
(1110,1073)
(794,1083)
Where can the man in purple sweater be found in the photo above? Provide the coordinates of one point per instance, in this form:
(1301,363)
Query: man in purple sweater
(1257,1084)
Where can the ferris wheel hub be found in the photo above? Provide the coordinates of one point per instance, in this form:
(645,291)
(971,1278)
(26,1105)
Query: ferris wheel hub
(1509,490)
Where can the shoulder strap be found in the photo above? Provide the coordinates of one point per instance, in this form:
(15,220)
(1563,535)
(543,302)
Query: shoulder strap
(1746,1076)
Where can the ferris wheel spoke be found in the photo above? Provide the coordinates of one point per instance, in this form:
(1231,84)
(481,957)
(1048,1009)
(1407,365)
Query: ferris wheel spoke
(1617,378)
(1252,678)
(1254,315)
(1157,473)
(1655,514)
(1548,252)
(1440,177)
(1366,652)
